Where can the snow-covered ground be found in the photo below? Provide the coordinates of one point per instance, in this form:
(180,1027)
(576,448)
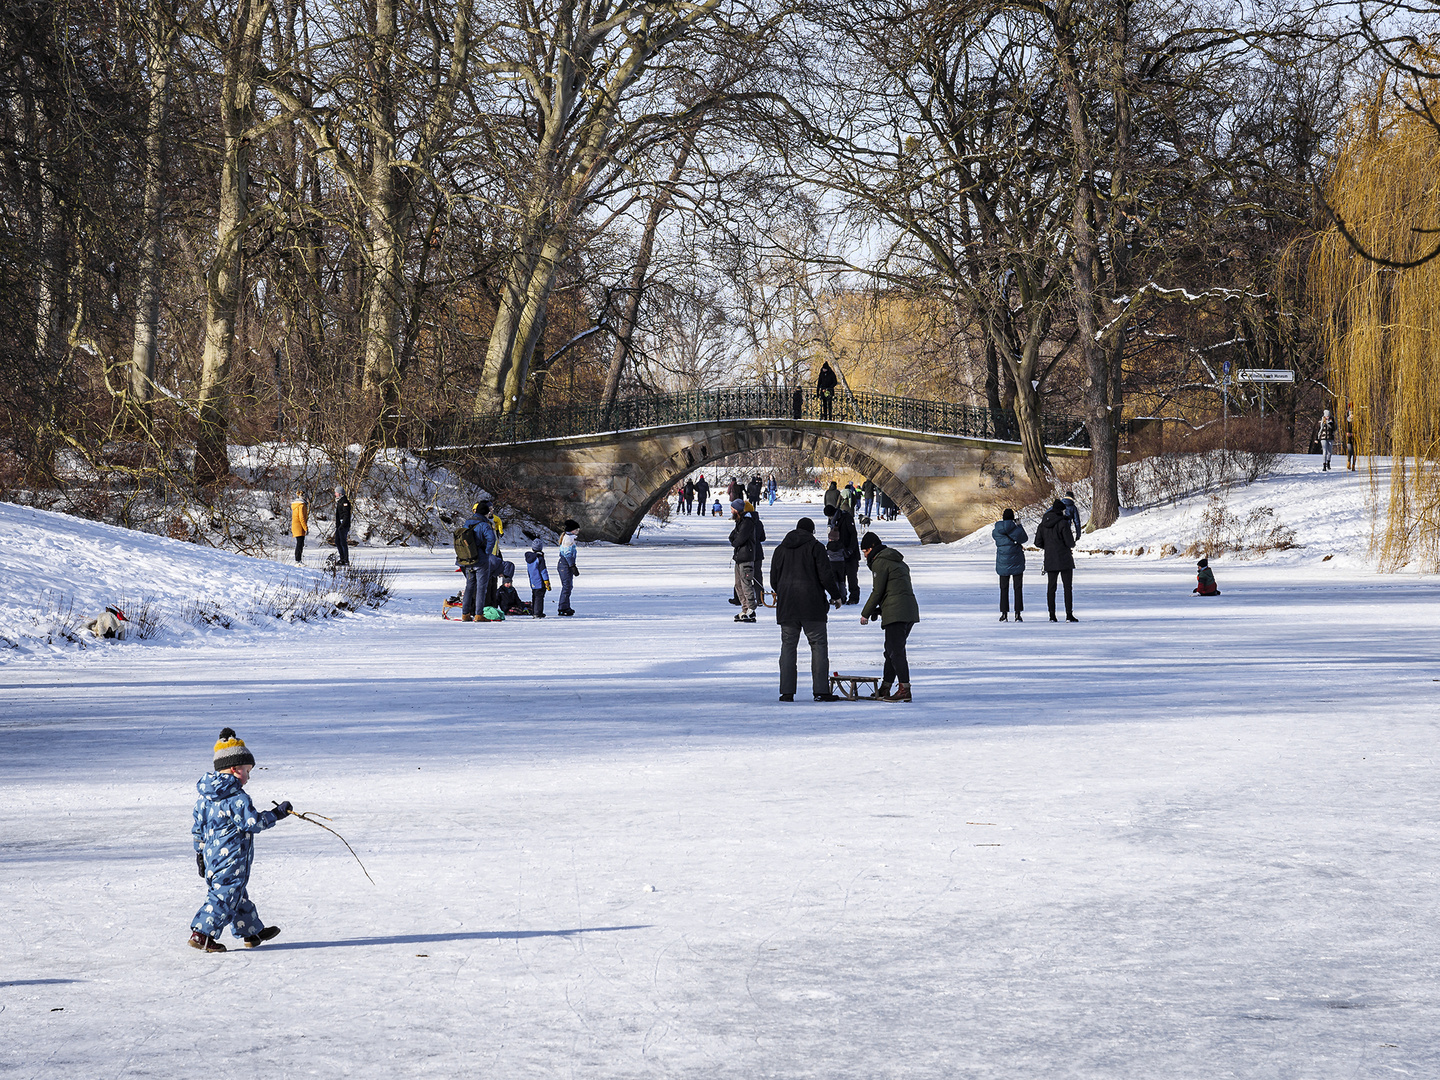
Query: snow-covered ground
(1184,837)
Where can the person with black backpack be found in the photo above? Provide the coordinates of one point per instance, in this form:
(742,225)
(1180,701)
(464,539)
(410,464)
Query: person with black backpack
(473,542)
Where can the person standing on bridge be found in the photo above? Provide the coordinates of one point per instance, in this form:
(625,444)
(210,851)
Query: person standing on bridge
(702,493)
(825,390)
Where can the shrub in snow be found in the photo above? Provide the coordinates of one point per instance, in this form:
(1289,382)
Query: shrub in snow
(1223,532)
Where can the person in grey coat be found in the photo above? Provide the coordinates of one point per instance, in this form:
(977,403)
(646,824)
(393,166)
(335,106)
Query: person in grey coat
(1010,536)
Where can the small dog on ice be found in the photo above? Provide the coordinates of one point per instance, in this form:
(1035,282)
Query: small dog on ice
(108,624)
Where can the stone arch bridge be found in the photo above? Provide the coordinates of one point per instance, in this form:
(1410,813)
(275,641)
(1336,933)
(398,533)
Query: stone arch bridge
(942,464)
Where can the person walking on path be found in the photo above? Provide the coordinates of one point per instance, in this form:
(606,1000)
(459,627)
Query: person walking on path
(772,490)
(892,601)
(1072,514)
(848,562)
(1010,536)
(565,563)
(868,490)
(743,545)
(223,829)
(1326,434)
(752,490)
(1055,536)
(689,495)
(805,588)
(832,495)
(299,523)
(825,390)
(342,526)
(702,492)
(1350,441)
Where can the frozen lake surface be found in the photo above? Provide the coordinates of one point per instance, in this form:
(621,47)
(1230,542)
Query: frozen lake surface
(1182,838)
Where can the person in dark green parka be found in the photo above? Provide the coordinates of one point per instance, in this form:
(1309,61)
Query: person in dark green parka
(892,600)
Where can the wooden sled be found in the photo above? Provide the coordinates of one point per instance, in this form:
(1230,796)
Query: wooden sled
(848,686)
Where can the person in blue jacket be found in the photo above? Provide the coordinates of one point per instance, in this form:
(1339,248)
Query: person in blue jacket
(539,577)
(225,823)
(476,597)
(1072,514)
(1010,536)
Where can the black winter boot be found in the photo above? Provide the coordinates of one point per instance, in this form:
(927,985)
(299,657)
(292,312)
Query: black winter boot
(262,937)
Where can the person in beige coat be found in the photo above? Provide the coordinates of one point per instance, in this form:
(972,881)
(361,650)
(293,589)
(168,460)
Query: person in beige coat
(299,523)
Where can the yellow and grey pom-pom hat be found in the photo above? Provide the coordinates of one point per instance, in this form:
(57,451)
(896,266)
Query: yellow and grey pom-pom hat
(230,751)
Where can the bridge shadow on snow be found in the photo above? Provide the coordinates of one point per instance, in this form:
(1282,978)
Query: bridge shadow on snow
(429,939)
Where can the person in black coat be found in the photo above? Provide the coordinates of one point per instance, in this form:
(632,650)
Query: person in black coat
(849,565)
(342,526)
(702,492)
(742,540)
(1054,534)
(801,577)
(825,389)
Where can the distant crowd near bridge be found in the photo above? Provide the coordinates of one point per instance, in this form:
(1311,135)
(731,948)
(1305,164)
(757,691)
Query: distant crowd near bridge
(883,411)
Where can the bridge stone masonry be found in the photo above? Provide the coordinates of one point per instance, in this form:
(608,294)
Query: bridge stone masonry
(943,465)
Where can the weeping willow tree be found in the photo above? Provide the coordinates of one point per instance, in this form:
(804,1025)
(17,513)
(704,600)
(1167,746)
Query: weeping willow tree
(1376,280)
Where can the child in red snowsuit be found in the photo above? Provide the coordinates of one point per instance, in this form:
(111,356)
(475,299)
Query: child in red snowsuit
(1205,580)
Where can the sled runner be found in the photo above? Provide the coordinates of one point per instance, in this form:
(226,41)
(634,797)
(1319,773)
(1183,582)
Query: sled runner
(848,686)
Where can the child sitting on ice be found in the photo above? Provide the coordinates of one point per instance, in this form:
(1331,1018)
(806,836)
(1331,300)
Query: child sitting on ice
(1205,578)
(506,597)
(225,822)
(715,510)
(539,578)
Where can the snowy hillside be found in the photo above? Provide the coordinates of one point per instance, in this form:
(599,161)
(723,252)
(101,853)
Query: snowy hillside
(60,571)
(1326,515)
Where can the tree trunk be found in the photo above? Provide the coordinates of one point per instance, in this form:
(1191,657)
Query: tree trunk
(147,291)
(1084,263)
(226,270)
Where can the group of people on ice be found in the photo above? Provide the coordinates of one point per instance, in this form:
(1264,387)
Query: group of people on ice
(490,594)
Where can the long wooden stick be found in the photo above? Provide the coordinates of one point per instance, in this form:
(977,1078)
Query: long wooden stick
(311,816)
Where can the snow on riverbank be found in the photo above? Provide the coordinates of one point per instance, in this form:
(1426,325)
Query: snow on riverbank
(1184,837)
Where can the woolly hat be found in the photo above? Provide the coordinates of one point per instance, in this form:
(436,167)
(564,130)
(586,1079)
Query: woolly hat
(737,504)
(831,511)
(571,525)
(1008,515)
(870,542)
(230,751)
(806,525)
(481,507)
(507,569)
(537,544)
(1203,562)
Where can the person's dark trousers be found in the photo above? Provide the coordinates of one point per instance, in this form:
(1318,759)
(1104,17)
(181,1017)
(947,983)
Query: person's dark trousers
(567,582)
(819,656)
(537,603)
(838,569)
(852,581)
(1005,580)
(492,579)
(342,545)
(897,666)
(825,402)
(797,404)
(1065,576)
(299,548)
(472,581)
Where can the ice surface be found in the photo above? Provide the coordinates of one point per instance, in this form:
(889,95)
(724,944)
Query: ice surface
(1182,838)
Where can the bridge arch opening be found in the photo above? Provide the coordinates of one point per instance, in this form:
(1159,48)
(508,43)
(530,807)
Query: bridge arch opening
(659,480)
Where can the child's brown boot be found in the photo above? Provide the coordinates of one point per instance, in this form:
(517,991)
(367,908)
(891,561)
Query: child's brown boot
(204,942)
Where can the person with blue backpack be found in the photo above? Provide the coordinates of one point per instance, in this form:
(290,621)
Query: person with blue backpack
(539,577)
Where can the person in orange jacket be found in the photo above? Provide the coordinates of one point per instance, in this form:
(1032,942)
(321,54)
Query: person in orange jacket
(299,523)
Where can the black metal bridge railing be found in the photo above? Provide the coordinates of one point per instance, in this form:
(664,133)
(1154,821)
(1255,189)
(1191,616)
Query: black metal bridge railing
(700,406)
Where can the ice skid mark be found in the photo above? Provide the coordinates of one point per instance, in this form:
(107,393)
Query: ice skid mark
(426,939)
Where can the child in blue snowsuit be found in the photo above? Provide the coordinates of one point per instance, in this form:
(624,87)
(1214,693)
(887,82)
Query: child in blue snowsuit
(225,821)
(539,578)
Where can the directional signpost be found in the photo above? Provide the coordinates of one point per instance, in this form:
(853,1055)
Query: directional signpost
(1262,376)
